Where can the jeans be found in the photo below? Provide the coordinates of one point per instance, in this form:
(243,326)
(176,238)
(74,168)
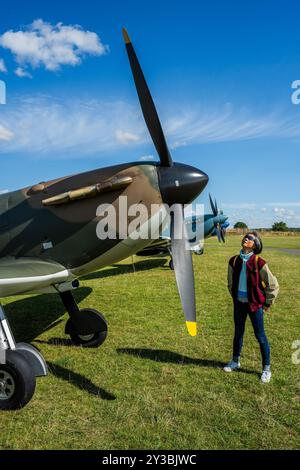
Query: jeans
(241,310)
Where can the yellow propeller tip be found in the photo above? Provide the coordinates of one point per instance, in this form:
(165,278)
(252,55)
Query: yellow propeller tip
(126,36)
(192,327)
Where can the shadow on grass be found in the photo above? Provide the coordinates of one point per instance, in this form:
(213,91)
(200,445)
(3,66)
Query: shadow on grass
(118,269)
(56,342)
(79,381)
(34,315)
(161,355)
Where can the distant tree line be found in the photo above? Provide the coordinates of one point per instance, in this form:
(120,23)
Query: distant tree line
(280,227)
(276,227)
(240,225)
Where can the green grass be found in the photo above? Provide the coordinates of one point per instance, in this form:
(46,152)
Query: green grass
(151,386)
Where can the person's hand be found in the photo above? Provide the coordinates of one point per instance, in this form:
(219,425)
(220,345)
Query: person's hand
(266,308)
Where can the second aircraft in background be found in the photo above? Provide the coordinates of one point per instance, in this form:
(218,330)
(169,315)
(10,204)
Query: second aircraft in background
(198,228)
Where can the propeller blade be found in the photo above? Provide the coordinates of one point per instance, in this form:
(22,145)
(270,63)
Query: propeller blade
(147,105)
(183,268)
(214,211)
(216,206)
(218,233)
(224,226)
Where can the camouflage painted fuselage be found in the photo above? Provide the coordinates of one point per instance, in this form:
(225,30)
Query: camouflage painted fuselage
(27,225)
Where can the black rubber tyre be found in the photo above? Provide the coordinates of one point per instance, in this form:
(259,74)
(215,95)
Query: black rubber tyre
(17,382)
(93,340)
(171,265)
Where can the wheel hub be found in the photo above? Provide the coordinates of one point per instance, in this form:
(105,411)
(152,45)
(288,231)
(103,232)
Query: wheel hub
(86,337)
(7,385)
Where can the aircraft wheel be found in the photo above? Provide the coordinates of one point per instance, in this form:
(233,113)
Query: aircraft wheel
(17,381)
(88,340)
(171,265)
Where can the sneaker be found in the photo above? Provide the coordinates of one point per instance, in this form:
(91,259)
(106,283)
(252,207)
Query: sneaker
(232,365)
(266,376)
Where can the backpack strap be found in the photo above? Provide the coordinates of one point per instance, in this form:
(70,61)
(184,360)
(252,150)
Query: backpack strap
(234,261)
(256,263)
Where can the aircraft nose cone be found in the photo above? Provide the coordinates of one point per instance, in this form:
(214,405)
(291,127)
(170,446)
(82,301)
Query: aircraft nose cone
(181,184)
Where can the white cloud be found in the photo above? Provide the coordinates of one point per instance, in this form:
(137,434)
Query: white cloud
(3,191)
(126,137)
(5,134)
(44,126)
(284,204)
(22,73)
(177,143)
(41,44)
(2,66)
(196,125)
(256,216)
(283,211)
(147,158)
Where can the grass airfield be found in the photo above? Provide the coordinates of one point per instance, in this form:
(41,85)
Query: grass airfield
(151,386)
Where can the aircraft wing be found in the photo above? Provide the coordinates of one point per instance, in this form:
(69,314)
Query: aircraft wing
(24,275)
(161,245)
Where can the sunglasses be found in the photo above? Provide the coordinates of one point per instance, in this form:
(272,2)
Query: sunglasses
(249,237)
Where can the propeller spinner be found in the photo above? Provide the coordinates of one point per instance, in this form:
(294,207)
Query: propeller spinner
(179,184)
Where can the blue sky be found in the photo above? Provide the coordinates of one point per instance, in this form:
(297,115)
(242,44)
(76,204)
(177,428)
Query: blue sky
(220,73)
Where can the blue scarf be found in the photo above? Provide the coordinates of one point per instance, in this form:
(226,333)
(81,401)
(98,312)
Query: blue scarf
(242,289)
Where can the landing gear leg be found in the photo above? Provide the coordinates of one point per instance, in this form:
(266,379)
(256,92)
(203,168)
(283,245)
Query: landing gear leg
(86,327)
(171,264)
(20,364)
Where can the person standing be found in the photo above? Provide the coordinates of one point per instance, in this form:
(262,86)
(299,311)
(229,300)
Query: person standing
(253,289)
